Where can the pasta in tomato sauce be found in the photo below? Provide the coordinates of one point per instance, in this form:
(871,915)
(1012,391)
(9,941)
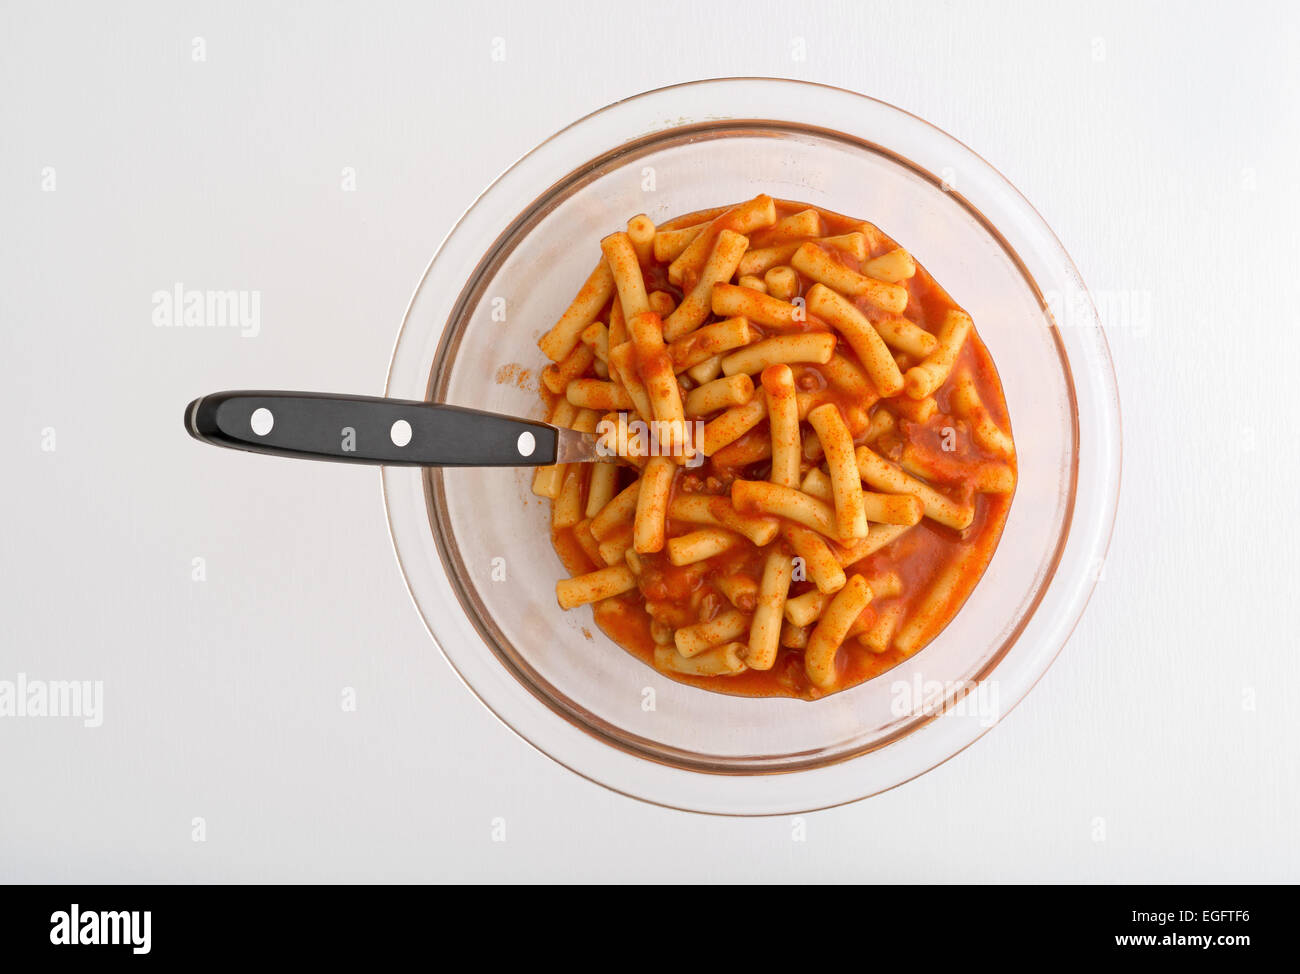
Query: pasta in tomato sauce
(831,464)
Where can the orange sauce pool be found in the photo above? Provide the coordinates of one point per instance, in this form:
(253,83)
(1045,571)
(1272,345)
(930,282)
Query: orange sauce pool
(944,445)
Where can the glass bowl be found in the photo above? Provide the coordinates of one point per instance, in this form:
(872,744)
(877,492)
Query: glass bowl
(474,545)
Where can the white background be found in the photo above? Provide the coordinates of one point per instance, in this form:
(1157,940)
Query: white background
(1159,141)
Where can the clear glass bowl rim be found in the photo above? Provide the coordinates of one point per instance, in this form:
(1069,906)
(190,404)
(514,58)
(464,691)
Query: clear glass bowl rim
(1103,396)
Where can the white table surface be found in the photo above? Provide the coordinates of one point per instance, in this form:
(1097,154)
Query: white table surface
(1160,144)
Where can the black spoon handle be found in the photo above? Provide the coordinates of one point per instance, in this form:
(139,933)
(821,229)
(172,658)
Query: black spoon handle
(364,429)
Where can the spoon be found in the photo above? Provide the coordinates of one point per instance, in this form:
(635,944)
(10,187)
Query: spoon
(392,432)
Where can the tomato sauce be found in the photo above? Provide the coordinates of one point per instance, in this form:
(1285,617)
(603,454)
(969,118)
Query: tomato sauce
(943,445)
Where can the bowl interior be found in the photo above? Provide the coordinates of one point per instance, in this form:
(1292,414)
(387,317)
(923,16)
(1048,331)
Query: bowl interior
(491,533)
